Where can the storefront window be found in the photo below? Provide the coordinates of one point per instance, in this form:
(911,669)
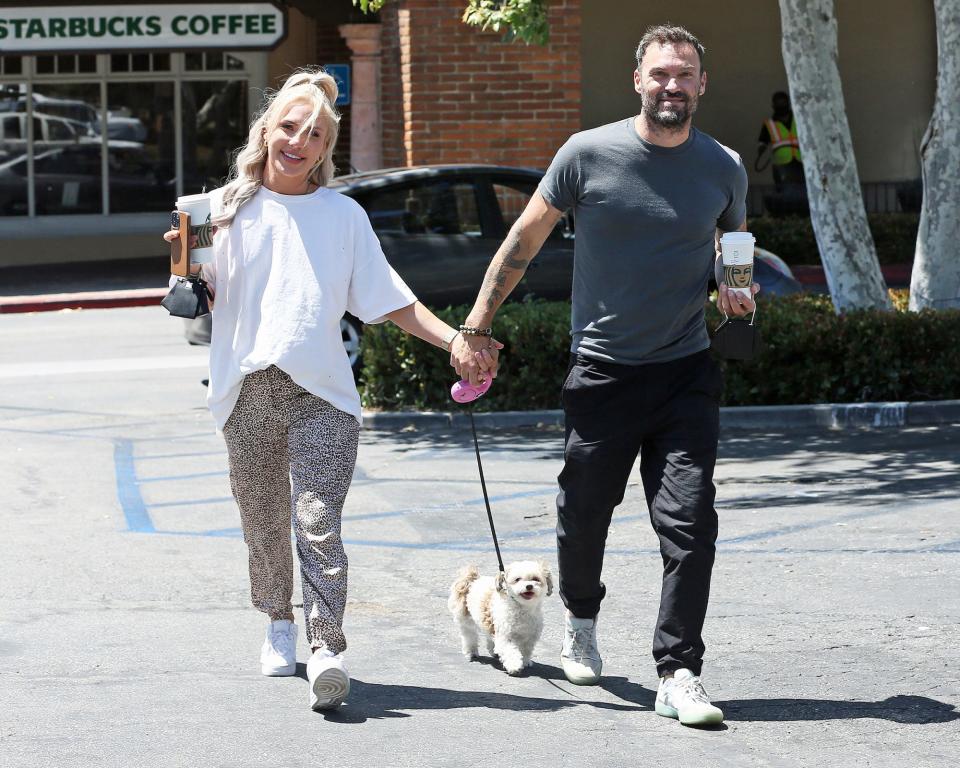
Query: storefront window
(214,126)
(109,141)
(142,156)
(68,173)
(13,153)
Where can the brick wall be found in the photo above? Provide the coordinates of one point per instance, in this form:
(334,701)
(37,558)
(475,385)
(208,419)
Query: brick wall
(454,94)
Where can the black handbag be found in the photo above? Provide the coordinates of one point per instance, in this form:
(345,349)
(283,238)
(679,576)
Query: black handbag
(737,339)
(188,298)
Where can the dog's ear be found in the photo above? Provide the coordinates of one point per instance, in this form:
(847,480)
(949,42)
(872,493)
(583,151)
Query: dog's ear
(547,576)
(501,582)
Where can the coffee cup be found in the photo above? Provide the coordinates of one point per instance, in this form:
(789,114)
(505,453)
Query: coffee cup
(201,230)
(736,249)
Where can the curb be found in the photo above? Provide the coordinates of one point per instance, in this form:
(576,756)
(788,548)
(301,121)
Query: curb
(51,302)
(778,418)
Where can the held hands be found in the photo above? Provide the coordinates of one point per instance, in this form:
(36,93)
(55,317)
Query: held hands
(475,358)
(735,304)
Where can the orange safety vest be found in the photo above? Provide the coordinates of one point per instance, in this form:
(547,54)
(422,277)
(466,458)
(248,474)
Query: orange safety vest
(783,141)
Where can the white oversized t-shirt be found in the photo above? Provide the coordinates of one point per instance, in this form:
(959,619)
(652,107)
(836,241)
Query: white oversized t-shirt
(284,272)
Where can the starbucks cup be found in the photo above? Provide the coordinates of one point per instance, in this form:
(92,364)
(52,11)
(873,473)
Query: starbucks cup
(736,249)
(201,230)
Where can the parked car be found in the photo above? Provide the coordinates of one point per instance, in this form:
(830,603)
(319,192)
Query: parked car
(68,179)
(440,226)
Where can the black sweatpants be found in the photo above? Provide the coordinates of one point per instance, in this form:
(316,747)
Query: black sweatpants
(669,414)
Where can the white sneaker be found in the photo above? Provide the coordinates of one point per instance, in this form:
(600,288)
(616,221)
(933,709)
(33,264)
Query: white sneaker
(682,697)
(278,656)
(329,681)
(579,656)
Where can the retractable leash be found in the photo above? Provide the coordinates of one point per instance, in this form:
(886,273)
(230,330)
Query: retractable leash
(464,392)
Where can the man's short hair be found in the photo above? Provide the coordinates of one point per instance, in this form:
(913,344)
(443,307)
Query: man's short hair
(672,34)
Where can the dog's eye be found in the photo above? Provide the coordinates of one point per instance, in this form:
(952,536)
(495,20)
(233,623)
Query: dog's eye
(534,578)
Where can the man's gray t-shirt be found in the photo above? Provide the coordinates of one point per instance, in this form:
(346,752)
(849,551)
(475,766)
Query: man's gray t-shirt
(645,219)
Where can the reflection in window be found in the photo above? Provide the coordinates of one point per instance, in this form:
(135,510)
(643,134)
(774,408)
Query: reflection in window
(440,208)
(141,164)
(67,149)
(13,158)
(214,127)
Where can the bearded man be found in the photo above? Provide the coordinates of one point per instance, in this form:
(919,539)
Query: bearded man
(650,195)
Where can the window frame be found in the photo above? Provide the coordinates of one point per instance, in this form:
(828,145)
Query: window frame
(253,72)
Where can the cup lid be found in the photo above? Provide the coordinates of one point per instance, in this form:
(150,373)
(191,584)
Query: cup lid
(736,238)
(200,197)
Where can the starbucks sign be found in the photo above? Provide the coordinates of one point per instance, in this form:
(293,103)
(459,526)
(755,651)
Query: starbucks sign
(105,28)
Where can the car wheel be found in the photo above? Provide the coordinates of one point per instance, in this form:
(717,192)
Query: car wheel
(351,330)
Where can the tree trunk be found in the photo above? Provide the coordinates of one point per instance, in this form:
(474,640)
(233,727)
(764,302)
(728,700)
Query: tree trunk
(833,187)
(936,265)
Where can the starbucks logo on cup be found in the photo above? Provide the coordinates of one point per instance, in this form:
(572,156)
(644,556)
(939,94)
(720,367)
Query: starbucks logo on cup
(204,234)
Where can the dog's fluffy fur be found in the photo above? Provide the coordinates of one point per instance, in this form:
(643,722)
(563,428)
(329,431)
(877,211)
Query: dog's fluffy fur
(507,609)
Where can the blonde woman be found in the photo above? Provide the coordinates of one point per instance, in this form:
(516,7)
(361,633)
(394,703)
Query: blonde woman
(291,256)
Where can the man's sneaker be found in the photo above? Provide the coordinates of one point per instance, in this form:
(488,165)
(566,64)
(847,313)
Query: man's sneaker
(278,656)
(682,697)
(329,682)
(579,656)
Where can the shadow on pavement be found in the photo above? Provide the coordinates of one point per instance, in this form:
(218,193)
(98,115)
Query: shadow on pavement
(906,710)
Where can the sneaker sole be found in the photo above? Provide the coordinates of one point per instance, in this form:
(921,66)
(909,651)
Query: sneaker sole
(330,689)
(665,711)
(580,679)
(287,671)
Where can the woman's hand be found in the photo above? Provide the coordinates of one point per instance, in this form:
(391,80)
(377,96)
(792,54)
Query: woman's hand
(475,358)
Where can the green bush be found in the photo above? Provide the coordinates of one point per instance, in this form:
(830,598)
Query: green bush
(810,355)
(792,238)
(400,371)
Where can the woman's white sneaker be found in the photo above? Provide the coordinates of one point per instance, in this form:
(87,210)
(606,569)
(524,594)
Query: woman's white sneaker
(278,656)
(683,698)
(328,678)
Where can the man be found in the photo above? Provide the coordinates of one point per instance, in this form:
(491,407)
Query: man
(779,136)
(650,195)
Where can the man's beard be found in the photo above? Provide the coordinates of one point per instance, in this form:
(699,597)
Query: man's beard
(672,118)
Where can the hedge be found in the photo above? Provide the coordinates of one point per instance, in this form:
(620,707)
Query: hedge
(792,238)
(810,355)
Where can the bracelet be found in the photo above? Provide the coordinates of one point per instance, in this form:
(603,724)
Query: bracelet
(449,340)
(467,330)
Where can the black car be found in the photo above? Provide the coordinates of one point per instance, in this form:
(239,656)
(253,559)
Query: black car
(440,226)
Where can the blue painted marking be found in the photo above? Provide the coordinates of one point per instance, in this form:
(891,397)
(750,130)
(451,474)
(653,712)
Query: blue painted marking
(128,491)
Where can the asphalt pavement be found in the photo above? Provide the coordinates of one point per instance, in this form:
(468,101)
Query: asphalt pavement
(127,639)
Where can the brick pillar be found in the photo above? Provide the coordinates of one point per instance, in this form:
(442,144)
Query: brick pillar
(366,141)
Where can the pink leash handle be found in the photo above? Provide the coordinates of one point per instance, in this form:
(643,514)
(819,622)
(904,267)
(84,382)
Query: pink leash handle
(464,392)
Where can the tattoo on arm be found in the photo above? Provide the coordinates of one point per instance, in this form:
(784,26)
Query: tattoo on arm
(509,259)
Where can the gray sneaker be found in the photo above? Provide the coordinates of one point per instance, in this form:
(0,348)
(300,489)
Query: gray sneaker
(579,656)
(683,698)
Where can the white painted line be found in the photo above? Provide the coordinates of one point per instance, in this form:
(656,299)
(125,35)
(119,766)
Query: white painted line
(118,365)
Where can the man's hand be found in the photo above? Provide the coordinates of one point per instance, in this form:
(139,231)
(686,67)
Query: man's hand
(735,304)
(475,358)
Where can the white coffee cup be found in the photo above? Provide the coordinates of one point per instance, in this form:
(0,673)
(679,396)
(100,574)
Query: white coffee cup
(198,206)
(736,250)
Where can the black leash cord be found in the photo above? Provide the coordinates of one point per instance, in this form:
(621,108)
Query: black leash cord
(483,484)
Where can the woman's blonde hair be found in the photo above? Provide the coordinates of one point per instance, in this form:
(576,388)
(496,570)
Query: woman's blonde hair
(312,87)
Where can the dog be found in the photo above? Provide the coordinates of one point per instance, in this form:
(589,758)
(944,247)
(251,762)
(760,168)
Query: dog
(507,609)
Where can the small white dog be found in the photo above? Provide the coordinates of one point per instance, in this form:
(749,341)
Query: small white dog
(508,609)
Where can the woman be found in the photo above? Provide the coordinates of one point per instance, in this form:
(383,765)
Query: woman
(291,256)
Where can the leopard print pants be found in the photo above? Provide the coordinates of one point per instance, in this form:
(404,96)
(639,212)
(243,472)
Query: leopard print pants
(291,449)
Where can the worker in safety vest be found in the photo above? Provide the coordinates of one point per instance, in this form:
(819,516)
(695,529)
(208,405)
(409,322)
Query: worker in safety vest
(778,144)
